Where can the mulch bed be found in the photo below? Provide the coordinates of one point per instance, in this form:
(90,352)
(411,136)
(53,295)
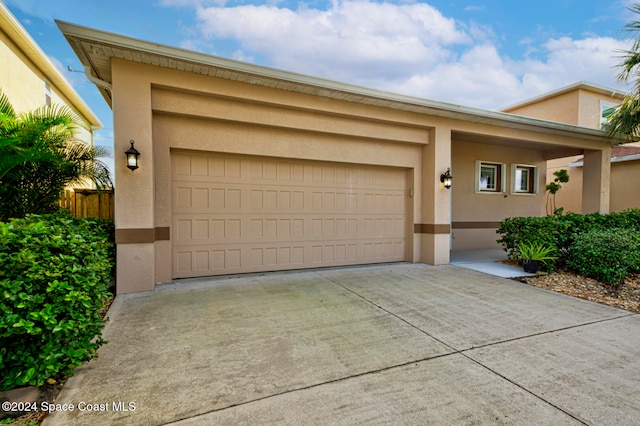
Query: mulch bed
(626,296)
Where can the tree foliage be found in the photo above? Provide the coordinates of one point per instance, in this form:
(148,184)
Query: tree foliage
(624,120)
(561,176)
(40,156)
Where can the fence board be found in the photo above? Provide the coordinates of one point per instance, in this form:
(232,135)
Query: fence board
(89,203)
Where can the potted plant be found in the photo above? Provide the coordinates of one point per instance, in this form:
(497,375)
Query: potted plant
(534,254)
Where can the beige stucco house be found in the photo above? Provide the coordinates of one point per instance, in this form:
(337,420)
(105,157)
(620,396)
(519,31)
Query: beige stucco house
(31,80)
(584,104)
(244,168)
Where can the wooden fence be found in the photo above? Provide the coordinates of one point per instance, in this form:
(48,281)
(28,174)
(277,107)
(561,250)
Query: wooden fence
(88,202)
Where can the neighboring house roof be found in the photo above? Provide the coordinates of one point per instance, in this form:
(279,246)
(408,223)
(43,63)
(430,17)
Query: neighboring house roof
(619,153)
(607,91)
(95,49)
(21,38)
(622,151)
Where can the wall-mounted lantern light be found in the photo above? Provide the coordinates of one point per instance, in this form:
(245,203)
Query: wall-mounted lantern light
(446,178)
(132,157)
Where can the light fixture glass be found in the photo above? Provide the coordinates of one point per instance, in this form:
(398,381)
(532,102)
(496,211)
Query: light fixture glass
(132,157)
(446,178)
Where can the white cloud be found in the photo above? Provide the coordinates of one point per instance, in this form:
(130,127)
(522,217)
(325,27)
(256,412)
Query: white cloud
(196,3)
(338,43)
(566,60)
(409,48)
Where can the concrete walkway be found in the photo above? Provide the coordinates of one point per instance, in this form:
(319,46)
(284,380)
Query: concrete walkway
(488,261)
(389,344)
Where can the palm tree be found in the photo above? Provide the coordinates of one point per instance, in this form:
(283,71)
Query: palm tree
(624,120)
(39,157)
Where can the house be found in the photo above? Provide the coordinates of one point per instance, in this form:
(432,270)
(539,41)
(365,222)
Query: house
(624,189)
(31,80)
(584,104)
(244,168)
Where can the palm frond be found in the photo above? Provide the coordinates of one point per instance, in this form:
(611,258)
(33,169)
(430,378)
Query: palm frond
(86,163)
(12,155)
(6,109)
(625,118)
(624,121)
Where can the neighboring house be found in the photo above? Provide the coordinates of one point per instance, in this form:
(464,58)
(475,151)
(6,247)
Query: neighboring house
(624,188)
(31,80)
(586,105)
(244,168)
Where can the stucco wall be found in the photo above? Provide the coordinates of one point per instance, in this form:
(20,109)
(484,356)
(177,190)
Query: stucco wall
(19,79)
(589,107)
(24,84)
(475,215)
(562,109)
(625,191)
(582,107)
(165,110)
(569,197)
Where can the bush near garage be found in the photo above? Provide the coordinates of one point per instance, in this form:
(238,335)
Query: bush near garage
(562,231)
(54,273)
(607,255)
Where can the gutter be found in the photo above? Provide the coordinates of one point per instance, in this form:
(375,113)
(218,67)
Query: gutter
(95,80)
(28,46)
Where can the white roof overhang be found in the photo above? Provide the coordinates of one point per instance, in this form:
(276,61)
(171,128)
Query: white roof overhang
(21,38)
(95,49)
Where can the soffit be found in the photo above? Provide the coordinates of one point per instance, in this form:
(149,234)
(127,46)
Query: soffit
(549,151)
(95,49)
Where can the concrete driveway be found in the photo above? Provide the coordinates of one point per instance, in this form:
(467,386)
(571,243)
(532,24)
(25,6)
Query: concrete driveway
(390,344)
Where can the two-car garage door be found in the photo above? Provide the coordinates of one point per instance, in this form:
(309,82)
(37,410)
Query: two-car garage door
(234,214)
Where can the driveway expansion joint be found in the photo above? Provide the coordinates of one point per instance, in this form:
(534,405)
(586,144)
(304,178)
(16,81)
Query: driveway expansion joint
(454,350)
(316,385)
(555,330)
(462,351)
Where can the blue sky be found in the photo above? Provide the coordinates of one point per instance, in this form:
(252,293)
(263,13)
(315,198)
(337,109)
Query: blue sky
(479,53)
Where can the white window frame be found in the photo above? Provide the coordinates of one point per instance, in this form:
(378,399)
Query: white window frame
(47,93)
(534,179)
(501,179)
(605,105)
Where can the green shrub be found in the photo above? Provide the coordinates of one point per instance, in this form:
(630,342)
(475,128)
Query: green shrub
(559,230)
(606,255)
(546,230)
(537,251)
(54,271)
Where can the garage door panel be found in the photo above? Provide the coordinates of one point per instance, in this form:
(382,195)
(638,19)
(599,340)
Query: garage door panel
(235,258)
(236,214)
(194,229)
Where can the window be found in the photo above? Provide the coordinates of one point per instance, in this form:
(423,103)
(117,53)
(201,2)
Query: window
(524,179)
(606,108)
(47,93)
(489,177)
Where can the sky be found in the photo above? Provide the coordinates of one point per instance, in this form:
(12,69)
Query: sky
(478,53)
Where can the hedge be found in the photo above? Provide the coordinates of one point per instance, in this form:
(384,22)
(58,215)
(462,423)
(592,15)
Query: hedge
(54,272)
(607,255)
(559,230)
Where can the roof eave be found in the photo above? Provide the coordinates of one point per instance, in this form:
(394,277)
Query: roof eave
(607,91)
(16,32)
(260,75)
